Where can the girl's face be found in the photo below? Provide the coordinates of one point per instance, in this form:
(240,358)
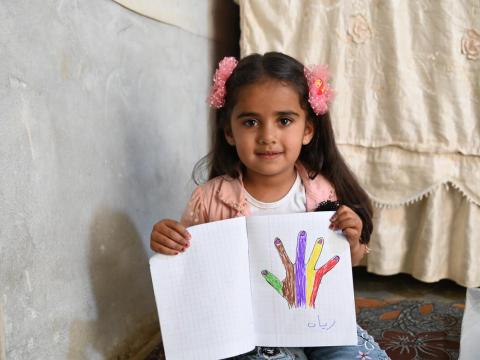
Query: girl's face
(268,128)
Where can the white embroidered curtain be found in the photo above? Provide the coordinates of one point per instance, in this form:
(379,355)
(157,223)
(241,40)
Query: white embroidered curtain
(406,116)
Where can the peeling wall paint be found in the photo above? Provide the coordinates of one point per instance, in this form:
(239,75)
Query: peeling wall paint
(103,116)
(189,15)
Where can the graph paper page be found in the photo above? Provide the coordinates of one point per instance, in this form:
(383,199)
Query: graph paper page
(203,295)
(285,315)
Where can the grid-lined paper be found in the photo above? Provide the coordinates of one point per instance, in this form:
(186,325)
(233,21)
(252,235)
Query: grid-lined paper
(213,301)
(203,295)
(332,321)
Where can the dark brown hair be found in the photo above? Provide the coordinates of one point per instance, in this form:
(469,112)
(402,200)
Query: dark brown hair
(320,156)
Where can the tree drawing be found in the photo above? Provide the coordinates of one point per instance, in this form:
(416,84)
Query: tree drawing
(301,283)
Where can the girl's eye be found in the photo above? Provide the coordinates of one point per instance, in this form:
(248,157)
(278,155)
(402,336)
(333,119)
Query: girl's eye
(285,121)
(250,123)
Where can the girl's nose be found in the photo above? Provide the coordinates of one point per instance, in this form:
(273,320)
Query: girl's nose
(266,141)
(267,136)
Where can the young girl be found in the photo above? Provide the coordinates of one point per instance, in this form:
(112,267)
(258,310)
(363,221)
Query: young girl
(274,152)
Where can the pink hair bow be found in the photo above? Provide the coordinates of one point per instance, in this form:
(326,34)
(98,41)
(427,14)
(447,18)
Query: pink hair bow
(320,94)
(223,72)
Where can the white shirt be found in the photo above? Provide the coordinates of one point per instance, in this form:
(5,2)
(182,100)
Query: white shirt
(293,202)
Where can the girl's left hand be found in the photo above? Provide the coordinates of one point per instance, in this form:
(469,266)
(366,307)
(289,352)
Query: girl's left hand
(351,225)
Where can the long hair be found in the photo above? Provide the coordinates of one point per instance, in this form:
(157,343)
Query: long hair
(320,156)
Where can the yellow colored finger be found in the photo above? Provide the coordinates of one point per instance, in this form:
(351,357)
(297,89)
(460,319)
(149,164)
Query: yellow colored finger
(312,261)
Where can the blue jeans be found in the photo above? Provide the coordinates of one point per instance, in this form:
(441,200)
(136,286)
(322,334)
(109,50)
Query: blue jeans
(366,349)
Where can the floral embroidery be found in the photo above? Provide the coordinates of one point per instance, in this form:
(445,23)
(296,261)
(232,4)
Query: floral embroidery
(471,45)
(363,356)
(425,345)
(359,29)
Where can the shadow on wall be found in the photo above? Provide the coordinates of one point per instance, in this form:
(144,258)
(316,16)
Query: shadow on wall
(226,30)
(121,284)
(226,42)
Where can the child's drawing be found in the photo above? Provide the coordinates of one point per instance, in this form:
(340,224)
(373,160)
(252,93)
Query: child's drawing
(301,283)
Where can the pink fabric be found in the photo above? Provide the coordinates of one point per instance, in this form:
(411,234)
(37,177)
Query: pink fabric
(224,198)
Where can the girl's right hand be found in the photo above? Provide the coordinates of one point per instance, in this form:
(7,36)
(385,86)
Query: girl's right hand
(169,237)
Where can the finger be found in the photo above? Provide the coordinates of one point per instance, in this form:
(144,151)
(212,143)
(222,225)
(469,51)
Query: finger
(343,211)
(154,238)
(163,249)
(179,228)
(346,220)
(312,261)
(346,223)
(339,211)
(171,225)
(301,245)
(289,282)
(315,254)
(273,280)
(300,268)
(352,235)
(173,235)
(349,214)
(158,238)
(345,216)
(283,254)
(329,265)
(169,243)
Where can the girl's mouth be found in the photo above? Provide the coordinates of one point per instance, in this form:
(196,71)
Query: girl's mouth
(268,154)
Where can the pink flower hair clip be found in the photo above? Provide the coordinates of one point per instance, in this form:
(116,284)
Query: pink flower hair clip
(320,94)
(223,72)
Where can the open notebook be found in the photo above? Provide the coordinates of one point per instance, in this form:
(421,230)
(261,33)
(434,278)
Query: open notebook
(281,280)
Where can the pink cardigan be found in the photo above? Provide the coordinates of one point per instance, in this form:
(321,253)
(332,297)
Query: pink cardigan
(223,198)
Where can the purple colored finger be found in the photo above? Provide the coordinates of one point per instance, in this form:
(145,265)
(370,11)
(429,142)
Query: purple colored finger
(300,278)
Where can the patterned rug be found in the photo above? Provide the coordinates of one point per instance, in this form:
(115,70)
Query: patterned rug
(405,329)
(412,329)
